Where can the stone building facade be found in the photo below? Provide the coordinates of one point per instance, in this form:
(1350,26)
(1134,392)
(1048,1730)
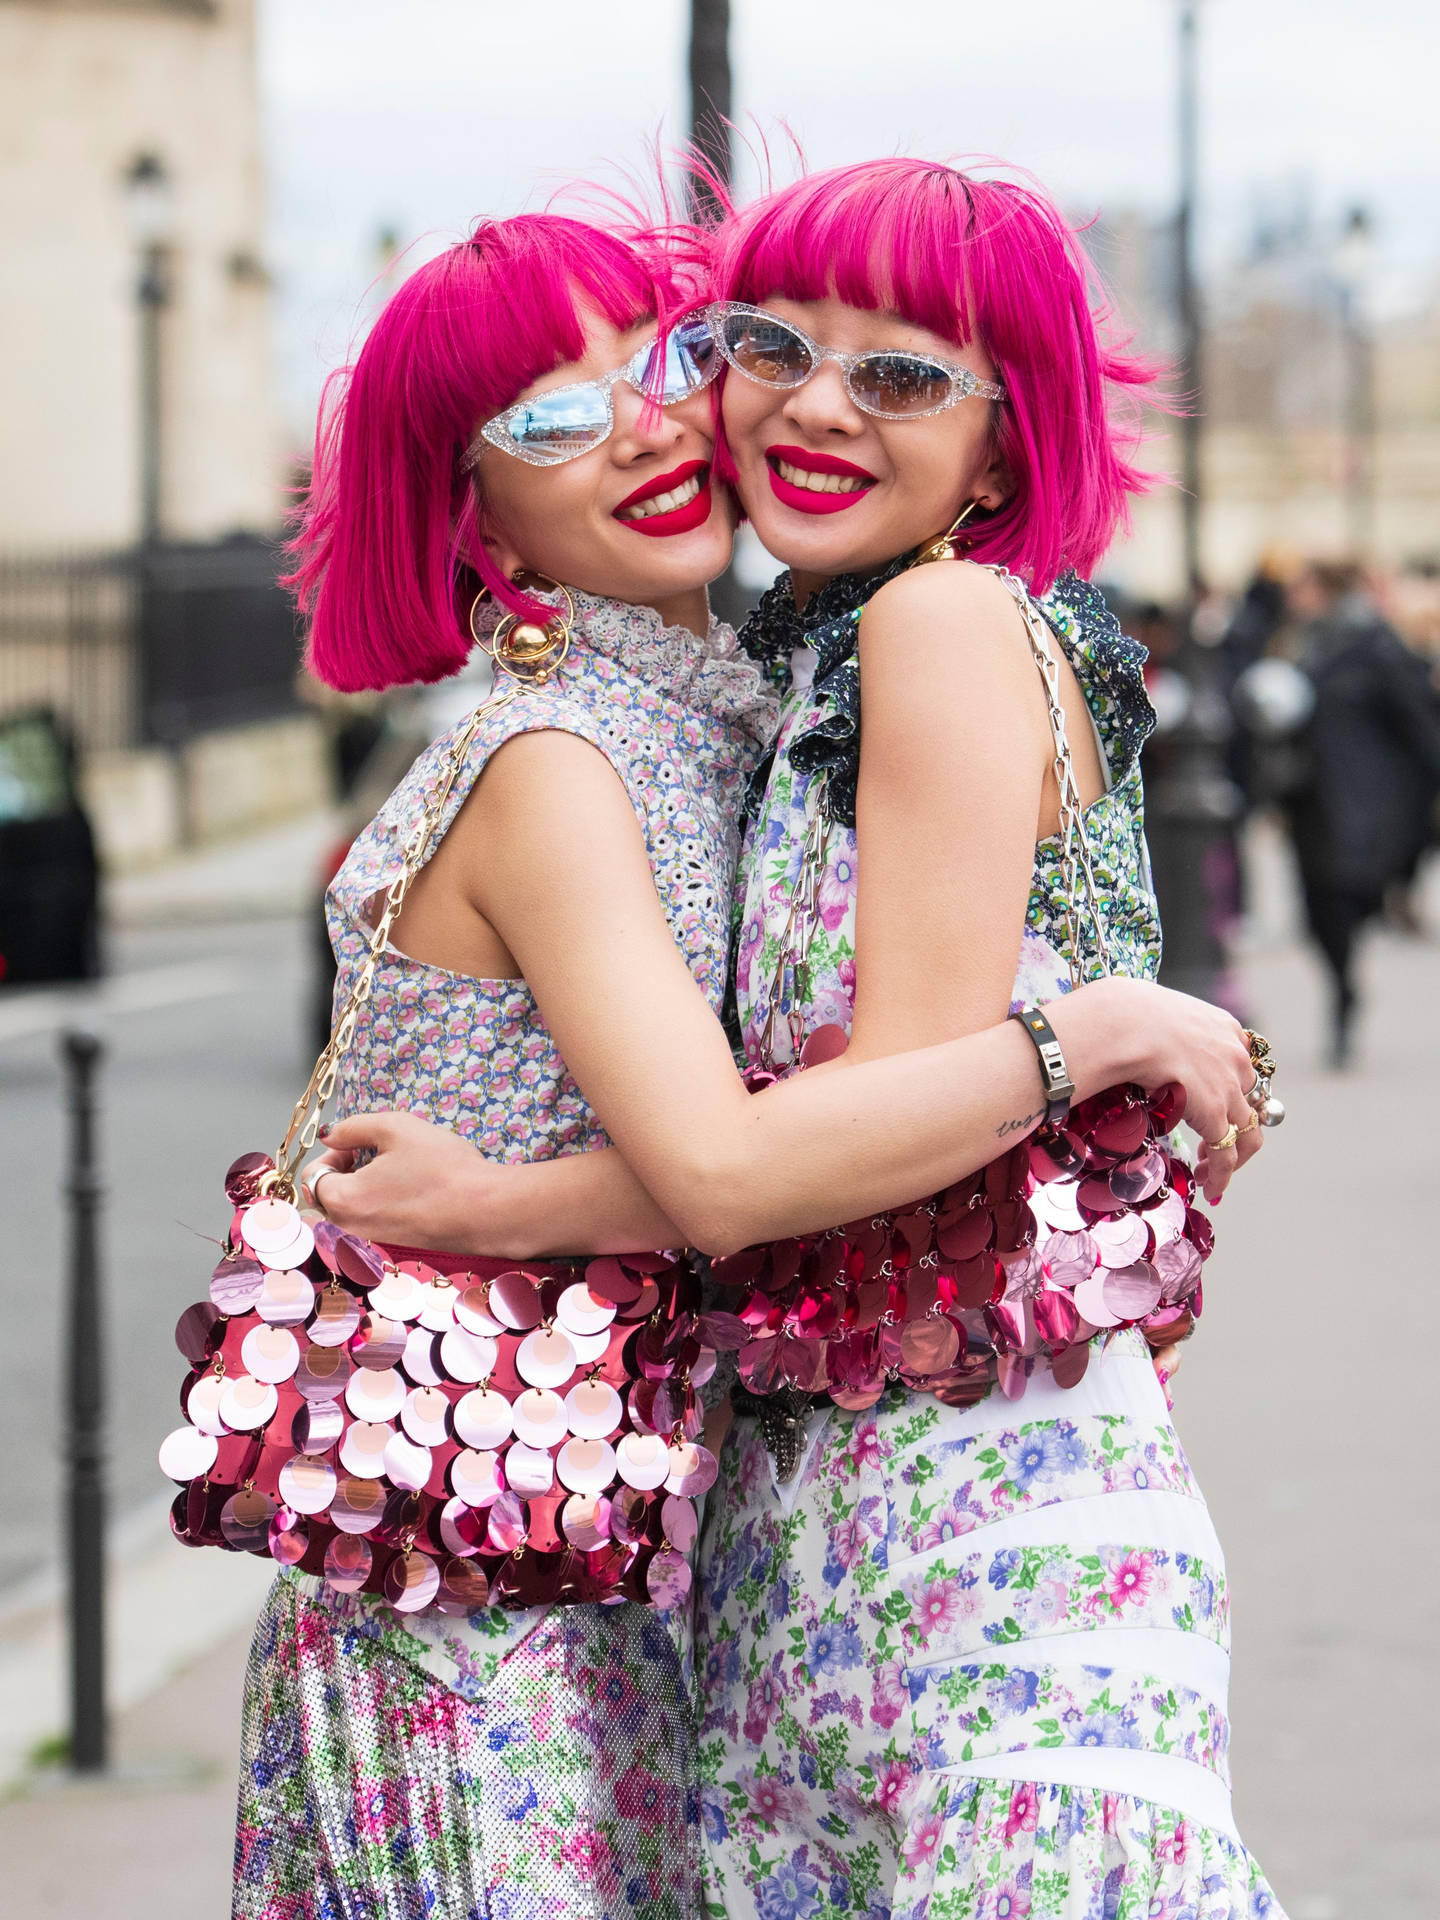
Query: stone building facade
(88,87)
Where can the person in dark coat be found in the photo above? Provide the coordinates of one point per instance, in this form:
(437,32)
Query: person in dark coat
(1370,761)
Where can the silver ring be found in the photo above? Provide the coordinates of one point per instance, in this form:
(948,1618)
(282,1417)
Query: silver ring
(315,1187)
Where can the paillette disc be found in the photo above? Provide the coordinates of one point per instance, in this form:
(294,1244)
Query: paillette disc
(484,1419)
(539,1418)
(187,1454)
(307,1485)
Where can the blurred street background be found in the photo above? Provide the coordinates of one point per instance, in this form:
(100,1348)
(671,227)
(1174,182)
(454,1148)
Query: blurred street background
(202,203)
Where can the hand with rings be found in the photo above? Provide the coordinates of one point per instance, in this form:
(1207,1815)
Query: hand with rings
(1261,1109)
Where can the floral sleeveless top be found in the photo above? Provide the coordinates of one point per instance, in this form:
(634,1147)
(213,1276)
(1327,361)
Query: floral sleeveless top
(809,780)
(682,721)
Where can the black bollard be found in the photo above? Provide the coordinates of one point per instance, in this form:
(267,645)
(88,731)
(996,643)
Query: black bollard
(84,1411)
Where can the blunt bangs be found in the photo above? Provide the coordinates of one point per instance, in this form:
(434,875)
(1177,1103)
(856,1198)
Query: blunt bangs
(387,552)
(967,257)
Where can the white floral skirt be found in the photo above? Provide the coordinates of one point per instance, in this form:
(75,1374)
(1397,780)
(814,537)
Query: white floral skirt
(971,1664)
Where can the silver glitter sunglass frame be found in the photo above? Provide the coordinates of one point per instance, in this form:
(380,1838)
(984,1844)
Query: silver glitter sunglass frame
(637,372)
(963,383)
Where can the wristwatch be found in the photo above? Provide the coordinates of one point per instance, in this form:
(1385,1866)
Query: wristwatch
(1059,1088)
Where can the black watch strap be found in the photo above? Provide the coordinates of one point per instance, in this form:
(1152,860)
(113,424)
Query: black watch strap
(1055,1079)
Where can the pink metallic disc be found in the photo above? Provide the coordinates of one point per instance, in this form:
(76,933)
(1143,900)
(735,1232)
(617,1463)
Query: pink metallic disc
(267,1224)
(242,1177)
(472,1311)
(198,1332)
(1090,1301)
(509,1523)
(399,1296)
(407,1464)
(539,1418)
(580,1311)
(286,1299)
(270,1353)
(425,1416)
(362,1451)
(668,1578)
(467,1357)
(419,1358)
(202,1404)
(590,1347)
(187,1454)
(704,1367)
(1166,1219)
(586,1466)
(477,1478)
(607,1280)
(460,1529)
(630,1512)
(692,1469)
(546,1358)
(1070,1257)
(515,1301)
(1056,1205)
(245,1520)
(1132,1292)
(357,1506)
(1069,1366)
(236,1285)
(530,1470)
(593,1410)
(358,1261)
(1178,1265)
(929,1345)
(289,1538)
(337,1315)
(347,1564)
(317,1425)
(1137,1179)
(463,1587)
(484,1419)
(678,1522)
(324,1372)
(643,1461)
(375,1396)
(294,1253)
(380,1343)
(438,1310)
(307,1485)
(585,1521)
(246,1404)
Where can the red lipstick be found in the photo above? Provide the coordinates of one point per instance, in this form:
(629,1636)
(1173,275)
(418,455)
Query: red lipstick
(683,519)
(805,499)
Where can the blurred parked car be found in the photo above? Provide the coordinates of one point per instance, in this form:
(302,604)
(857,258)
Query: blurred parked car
(49,874)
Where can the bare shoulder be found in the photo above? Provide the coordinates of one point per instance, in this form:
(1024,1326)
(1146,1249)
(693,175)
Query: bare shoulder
(927,610)
(552,785)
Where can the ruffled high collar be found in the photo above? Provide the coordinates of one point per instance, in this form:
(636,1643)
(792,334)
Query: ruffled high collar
(709,674)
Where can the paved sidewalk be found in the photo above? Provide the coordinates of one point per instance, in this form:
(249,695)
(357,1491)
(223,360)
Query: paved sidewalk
(1314,1441)
(257,876)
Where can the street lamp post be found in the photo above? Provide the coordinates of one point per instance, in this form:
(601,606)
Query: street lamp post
(149,204)
(1187,302)
(710,94)
(1352,263)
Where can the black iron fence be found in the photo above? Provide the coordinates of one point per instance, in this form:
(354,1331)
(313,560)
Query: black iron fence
(149,647)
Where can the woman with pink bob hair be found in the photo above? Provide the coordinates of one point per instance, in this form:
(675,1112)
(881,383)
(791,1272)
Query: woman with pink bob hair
(550,994)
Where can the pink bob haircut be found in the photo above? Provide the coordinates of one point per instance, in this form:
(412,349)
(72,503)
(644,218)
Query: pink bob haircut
(387,549)
(966,257)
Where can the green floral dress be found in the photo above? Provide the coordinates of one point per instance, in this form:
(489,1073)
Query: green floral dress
(968,1663)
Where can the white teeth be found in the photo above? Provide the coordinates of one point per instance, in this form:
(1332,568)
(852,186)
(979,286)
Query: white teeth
(680,496)
(819,482)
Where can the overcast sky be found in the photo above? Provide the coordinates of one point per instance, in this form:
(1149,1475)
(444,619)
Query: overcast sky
(421,114)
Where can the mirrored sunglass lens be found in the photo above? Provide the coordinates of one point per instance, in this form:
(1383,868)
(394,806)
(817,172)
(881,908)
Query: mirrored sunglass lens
(568,423)
(689,359)
(899,383)
(767,350)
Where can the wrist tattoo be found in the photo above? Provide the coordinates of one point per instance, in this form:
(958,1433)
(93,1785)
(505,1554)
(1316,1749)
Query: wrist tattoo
(1022,1125)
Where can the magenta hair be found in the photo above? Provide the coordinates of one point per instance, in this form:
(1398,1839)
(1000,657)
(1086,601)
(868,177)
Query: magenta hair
(387,548)
(961,255)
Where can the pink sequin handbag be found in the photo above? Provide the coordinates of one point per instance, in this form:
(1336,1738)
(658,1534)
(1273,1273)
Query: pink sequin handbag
(1079,1230)
(435,1429)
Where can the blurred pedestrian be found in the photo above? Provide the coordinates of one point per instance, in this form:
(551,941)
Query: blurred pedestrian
(1361,807)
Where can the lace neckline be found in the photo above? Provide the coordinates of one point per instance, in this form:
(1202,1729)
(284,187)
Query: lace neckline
(708,673)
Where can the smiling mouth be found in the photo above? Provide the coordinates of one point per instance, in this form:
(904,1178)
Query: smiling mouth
(658,503)
(817,482)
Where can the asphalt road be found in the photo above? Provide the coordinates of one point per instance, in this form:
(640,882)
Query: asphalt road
(203,1062)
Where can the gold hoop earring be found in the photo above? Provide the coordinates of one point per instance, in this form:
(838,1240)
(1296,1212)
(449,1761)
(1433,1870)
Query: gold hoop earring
(944,547)
(519,647)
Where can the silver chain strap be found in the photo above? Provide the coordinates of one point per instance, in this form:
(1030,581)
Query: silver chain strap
(305,1121)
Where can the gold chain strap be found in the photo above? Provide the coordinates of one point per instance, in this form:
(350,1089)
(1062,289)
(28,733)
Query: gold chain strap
(305,1121)
(1077,872)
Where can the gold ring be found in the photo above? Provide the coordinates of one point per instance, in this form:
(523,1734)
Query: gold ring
(1249,1127)
(1261,1056)
(1226,1140)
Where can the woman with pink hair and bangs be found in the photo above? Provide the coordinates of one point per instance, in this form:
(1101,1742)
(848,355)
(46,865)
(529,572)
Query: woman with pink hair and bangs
(903,349)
